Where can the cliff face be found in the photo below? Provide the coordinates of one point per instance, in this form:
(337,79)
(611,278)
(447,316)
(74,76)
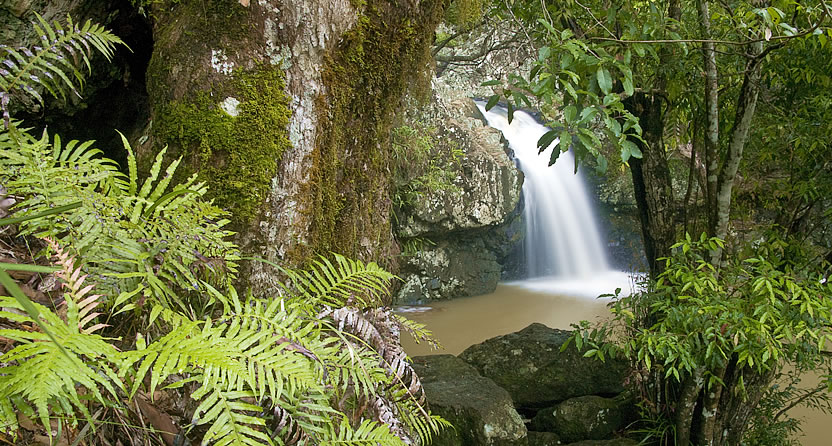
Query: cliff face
(462,237)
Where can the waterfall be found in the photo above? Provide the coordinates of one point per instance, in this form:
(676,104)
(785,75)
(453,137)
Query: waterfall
(562,234)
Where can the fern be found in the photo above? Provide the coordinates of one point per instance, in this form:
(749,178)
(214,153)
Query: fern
(52,65)
(45,373)
(346,282)
(369,433)
(153,242)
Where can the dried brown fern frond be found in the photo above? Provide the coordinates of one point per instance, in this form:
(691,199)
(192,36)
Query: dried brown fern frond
(380,330)
(77,298)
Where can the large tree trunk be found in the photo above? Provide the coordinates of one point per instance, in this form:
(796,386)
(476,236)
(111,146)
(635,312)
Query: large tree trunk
(285,107)
(651,181)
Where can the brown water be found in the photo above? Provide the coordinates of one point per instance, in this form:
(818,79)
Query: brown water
(460,323)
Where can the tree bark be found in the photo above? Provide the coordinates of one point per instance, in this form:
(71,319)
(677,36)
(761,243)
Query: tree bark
(344,65)
(686,405)
(746,106)
(651,181)
(711,115)
(651,174)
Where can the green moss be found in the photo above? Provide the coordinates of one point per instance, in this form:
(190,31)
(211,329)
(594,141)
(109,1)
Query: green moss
(237,156)
(383,56)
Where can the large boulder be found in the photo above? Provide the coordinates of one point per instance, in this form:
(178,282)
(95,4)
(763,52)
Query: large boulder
(461,237)
(529,364)
(481,412)
(448,269)
(488,183)
(582,418)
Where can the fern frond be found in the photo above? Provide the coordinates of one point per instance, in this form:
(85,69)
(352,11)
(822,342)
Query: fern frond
(233,420)
(346,282)
(417,331)
(44,374)
(368,433)
(52,64)
(80,304)
(288,429)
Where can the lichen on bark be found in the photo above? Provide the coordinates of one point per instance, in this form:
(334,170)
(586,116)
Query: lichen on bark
(217,102)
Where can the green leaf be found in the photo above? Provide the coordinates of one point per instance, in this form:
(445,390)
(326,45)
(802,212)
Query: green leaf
(543,53)
(546,140)
(28,268)
(492,101)
(631,148)
(490,83)
(29,307)
(46,213)
(627,83)
(569,113)
(565,141)
(604,80)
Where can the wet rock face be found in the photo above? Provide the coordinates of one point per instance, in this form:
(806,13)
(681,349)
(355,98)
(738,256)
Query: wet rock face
(531,367)
(482,413)
(466,234)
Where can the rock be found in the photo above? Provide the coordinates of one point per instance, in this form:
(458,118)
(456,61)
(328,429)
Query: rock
(613,442)
(482,413)
(449,269)
(543,439)
(582,418)
(488,184)
(531,367)
(459,238)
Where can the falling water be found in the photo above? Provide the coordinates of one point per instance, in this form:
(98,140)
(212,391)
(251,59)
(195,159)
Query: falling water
(562,235)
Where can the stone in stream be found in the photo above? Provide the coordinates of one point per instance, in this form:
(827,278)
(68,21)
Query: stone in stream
(583,418)
(482,413)
(531,367)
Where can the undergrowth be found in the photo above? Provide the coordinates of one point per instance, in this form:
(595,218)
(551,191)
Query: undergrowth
(119,318)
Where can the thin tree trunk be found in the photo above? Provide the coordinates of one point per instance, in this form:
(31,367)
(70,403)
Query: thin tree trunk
(735,409)
(746,106)
(692,174)
(711,114)
(710,402)
(651,174)
(685,407)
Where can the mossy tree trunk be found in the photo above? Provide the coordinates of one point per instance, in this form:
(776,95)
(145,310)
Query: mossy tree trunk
(285,108)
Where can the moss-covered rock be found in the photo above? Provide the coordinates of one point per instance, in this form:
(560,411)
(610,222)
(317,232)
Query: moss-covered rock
(543,439)
(482,413)
(458,238)
(583,418)
(531,367)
